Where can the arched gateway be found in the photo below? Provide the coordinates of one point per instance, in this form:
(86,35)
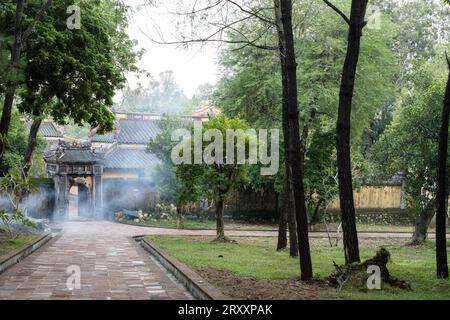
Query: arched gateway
(76,164)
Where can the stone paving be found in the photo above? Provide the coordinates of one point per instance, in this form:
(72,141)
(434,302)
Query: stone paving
(112,265)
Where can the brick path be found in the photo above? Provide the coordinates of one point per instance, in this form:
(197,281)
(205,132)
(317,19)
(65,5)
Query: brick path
(112,266)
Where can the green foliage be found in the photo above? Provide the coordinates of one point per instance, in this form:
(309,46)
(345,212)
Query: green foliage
(173,187)
(161,95)
(16,146)
(422,27)
(251,88)
(13,188)
(409,144)
(216,180)
(203,94)
(73,73)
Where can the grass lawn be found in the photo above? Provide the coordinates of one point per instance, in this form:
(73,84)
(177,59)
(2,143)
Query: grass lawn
(7,244)
(256,257)
(191,224)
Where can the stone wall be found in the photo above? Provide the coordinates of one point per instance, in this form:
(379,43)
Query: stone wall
(396,216)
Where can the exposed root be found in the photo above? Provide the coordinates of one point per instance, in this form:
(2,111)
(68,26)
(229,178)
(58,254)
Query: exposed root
(356,273)
(223,239)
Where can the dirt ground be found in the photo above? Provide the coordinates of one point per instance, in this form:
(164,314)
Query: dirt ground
(259,289)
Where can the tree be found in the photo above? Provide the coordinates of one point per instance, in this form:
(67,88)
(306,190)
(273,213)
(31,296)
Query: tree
(203,95)
(12,71)
(422,28)
(410,143)
(16,147)
(442,192)
(53,65)
(356,23)
(217,175)
(213,21)
(173,186)
(162,96)
(251,84)
(292,146)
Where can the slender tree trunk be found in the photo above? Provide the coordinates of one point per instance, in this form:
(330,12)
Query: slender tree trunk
(441,199)
(356,24)
(11,85)
(32,143)
(219,219)
(282,224)
(283,14)
(422,224)
(179,217)
(292,224)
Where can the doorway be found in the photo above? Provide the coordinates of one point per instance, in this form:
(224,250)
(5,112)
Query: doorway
(79,201)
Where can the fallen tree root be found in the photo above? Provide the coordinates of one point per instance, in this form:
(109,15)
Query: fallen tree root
(223,239)
(356,273)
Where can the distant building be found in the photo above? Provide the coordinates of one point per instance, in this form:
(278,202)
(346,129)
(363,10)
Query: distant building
(108,172)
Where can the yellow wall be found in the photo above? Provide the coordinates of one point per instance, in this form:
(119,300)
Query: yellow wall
(119,175)
(386,197)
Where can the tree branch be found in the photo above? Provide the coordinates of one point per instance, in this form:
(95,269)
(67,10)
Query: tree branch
(253,13)
(213,35)
(338,11)
(36,19)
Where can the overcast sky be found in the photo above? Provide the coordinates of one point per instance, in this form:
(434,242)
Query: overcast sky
(191,67)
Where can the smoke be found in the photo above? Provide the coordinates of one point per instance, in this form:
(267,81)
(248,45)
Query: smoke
(120,194)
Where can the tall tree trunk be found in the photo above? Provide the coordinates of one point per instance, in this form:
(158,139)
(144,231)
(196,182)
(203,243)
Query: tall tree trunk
(179,217)
(422,224)
(32,143)
(282,223)
(283,15)
(441,199)
(292,223)
(350,235)
(220,229)
(11,85)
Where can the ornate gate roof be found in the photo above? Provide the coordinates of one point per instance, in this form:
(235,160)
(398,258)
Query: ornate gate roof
(74,158)
(74,153)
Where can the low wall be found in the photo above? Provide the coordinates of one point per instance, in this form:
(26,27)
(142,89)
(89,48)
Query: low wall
(378,216)
(372,197)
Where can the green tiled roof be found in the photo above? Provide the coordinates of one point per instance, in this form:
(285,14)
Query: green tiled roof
(131,132)
(121,158)
(48,130)
(104,138)
(72,156)
(138,131)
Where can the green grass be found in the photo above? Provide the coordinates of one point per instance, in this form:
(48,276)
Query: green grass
(257,257)
(8,245)
(191,224)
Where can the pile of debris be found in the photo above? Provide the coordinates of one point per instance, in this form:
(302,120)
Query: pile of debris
(356,274)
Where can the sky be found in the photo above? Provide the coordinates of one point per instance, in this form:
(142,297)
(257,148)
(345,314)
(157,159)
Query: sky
(191,67)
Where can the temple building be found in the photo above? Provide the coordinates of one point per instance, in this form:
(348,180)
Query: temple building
(107,172)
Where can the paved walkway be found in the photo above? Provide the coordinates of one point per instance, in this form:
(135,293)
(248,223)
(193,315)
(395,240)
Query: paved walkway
(113,266)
